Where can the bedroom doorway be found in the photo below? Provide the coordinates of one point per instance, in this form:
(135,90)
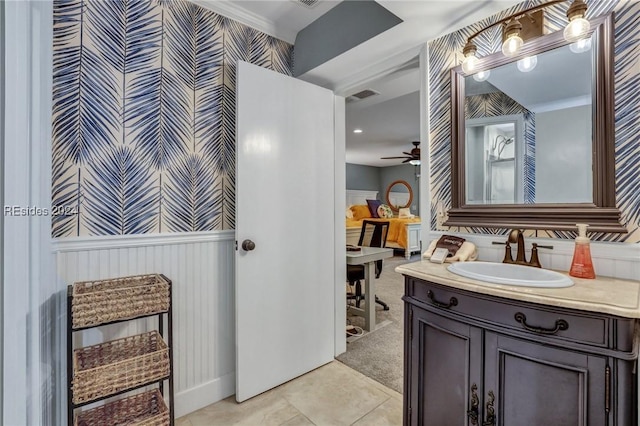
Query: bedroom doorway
(387,121)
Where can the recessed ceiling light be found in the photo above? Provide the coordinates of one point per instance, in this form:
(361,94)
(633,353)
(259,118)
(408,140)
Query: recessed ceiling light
(357,130)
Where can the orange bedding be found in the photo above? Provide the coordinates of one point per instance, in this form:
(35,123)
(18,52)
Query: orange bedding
(397,230)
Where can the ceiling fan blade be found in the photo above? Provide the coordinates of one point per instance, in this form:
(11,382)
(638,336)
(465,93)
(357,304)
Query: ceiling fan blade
(392,158)
(407,153)
(407,160)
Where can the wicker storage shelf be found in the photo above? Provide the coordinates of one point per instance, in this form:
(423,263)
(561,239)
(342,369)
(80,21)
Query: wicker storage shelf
(144,409)
(111,367)
(117,299)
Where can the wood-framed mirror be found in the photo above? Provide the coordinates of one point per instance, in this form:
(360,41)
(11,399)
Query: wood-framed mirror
(499,183)
(399,195)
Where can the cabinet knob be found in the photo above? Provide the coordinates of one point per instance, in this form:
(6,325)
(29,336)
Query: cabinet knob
(248,245)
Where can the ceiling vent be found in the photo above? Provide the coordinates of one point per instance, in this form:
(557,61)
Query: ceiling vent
(307,3)
(363,94)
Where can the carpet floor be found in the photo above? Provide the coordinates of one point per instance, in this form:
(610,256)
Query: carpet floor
(378,354)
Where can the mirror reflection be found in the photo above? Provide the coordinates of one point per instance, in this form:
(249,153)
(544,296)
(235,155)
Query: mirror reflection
(528,129)
(399,195)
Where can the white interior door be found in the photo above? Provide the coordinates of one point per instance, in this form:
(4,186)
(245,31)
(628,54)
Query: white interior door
(285,205)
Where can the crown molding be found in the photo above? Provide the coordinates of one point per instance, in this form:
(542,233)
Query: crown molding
(360,79)
(232,10)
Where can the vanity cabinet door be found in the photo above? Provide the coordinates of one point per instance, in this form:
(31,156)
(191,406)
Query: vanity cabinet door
(445,363)
(534,384)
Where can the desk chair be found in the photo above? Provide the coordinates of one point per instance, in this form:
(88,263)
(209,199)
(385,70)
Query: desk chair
(372,234)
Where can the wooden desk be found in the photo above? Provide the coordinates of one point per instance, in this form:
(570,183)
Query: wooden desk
(367,257)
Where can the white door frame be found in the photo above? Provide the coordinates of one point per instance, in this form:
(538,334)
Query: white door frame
(28,273)
(374,73)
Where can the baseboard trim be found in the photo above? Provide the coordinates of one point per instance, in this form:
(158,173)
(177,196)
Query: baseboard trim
(193,399)
(144,240)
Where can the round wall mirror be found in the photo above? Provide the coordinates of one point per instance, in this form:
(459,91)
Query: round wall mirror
(399,195)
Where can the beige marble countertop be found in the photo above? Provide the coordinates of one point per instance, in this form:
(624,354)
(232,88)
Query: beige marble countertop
(603,294)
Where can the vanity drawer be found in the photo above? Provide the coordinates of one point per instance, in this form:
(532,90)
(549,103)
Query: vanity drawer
(537,320)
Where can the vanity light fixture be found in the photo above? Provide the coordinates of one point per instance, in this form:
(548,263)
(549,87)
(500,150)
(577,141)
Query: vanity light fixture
(514,35)
(512,40)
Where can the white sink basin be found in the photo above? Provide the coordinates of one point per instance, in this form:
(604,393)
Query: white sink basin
(510,274)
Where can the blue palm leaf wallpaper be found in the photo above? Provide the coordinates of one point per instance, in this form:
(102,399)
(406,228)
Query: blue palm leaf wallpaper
(119,194)
(144,115)
(446,52)
(192,196)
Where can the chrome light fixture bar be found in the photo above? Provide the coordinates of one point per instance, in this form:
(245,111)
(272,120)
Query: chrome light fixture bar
(575,30)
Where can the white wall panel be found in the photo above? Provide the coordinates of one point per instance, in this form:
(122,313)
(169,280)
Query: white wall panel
(201,268)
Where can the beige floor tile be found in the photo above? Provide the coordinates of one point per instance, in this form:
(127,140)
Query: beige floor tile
(389,413)
(333,395)
(299,420)
(378,385)
(183,421)
(266,409)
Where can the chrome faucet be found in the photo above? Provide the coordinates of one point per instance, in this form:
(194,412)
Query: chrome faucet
(516,236)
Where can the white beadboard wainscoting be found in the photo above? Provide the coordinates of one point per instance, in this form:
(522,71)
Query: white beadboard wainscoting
(619,260)
(201,268)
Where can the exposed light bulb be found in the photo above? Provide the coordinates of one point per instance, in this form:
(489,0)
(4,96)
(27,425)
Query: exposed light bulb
(576,29)
(469,64)
(512,45)
(580,46)
(482,75)
(528,63)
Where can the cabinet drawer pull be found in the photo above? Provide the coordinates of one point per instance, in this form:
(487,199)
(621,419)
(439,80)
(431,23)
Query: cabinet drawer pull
(490,412)
(452,302)
(473,412)
(560,325)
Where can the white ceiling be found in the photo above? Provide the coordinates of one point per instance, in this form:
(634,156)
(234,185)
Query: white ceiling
(379,63)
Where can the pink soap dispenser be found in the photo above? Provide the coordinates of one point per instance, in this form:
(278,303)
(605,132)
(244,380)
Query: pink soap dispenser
(582,265)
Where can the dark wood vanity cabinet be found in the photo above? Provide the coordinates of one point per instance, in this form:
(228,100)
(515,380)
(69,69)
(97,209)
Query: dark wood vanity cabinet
(473,359)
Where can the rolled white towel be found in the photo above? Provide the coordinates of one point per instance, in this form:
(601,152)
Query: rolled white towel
(467,252)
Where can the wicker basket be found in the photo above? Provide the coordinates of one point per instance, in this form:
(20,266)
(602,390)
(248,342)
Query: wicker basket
(99,302)
(145,409)
(118,365)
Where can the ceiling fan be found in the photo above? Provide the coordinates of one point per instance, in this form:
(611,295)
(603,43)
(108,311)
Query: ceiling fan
(412,157)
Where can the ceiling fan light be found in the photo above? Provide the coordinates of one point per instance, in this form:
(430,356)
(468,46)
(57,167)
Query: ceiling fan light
(414,162)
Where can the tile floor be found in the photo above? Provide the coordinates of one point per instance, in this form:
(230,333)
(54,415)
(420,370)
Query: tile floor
(331,395)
